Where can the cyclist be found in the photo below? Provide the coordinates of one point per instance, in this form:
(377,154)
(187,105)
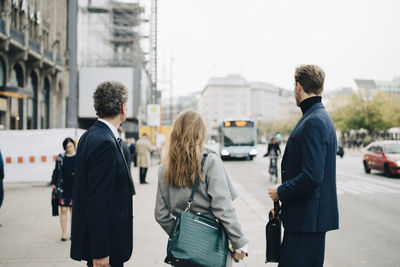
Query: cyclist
(273,152)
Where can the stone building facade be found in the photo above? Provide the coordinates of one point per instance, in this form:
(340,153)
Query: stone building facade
(33,64)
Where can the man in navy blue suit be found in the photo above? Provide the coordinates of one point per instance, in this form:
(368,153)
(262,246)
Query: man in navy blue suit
(308,191)
(101,231)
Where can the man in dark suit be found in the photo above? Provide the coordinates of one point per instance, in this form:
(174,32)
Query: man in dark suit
(308,191)
(101,230)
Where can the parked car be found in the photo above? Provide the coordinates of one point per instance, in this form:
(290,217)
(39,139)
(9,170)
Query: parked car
(382,156)
(340,150)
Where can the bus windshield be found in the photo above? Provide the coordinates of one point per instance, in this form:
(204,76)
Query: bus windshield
(239,136)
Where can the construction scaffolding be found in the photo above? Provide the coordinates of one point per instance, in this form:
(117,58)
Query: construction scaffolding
(109,34)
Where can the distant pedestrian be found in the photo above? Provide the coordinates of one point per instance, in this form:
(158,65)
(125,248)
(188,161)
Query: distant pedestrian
(1,180)
(143,149)
(62,180)
(125,149)
(132,150)
(102,221)
(308,191)
(177,175)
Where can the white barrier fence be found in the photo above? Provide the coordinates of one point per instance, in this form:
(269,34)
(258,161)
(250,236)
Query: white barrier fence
(29,155)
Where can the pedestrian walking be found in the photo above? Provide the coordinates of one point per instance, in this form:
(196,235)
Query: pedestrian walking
(143,149)
(177,176)
(308,190)
(103,189)
(62,181)
(1,180)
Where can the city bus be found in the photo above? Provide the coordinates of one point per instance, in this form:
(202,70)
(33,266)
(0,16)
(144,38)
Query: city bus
(238,139)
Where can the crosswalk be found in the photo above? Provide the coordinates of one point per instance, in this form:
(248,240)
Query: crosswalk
(361,187)
(356,184)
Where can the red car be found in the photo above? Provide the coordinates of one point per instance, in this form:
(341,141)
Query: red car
(383,156)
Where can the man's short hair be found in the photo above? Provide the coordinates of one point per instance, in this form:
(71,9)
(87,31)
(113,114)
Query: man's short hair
(311,77)
(108,98)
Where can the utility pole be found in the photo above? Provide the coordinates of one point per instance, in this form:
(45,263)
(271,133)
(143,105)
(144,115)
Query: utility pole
(171,117)
(153,52)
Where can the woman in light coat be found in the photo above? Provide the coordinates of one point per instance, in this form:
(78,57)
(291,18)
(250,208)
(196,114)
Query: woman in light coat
(176,178)
(143,149)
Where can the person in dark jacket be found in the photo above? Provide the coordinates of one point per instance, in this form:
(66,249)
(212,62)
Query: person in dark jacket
(1,180)
(102,221)
(273,152)
(308,191)
(63,180)
(273,148)
(132,150)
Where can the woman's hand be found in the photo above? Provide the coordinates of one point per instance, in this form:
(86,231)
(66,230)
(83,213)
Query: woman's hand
(238,256)
(53,186)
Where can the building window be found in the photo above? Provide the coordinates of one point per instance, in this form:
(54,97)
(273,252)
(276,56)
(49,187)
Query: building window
(32,103)
(2,83)
(2,72)
(17,110)
(45,104)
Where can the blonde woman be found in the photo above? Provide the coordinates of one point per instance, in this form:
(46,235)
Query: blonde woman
(176,178)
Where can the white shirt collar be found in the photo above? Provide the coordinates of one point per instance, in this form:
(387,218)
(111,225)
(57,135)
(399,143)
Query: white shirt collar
(112,128)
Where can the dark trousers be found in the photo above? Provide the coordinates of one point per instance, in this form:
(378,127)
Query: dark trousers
(1,192)
(142,172)
(302,249)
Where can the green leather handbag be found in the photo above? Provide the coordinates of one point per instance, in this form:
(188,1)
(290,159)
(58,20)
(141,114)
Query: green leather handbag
(197,240)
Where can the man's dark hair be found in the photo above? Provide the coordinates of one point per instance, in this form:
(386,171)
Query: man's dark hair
(311,77)
(67,141)
(108,98)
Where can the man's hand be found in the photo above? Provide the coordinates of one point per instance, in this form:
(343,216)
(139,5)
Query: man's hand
(273,193)
(104,262)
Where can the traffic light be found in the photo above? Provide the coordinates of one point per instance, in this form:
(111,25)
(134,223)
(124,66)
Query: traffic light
(278,134)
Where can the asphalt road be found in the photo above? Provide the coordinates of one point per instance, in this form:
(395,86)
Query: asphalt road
(369,211)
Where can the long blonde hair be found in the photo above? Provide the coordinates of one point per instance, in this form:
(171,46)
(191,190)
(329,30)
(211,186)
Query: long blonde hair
(187,140)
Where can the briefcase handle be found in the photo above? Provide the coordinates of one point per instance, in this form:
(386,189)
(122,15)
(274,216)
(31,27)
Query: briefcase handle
(276,209)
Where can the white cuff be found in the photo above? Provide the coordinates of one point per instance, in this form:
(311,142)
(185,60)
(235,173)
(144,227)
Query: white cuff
(245,249)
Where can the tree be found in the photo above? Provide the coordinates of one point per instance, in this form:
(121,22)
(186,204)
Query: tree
(365,110)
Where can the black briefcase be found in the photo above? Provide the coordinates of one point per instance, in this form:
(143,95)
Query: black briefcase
(273,235)
(54,202)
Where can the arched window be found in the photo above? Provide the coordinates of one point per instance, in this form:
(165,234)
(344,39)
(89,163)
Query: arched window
(17,105)
(2,72)
(2,83)
(45,104)
(32,103)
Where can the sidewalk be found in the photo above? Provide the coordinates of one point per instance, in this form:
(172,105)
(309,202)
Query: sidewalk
(31,237)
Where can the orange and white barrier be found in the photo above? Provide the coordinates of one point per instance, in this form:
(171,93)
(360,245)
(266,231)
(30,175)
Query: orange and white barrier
(30,155)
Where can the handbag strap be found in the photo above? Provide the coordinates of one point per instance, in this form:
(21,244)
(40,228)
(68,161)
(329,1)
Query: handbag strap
(196,183)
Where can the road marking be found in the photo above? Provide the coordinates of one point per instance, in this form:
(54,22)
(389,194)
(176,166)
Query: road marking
(362,187)
(368,179)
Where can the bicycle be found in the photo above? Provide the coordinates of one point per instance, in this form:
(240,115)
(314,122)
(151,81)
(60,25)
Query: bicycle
(273,168)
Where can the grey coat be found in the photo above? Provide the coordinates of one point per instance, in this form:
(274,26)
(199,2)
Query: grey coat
(213,196)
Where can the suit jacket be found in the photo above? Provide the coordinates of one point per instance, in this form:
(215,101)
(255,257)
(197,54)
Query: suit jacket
(308,190)
(102,201)
(213,197)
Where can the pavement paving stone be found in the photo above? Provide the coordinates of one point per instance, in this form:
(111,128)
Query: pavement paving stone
(30,235)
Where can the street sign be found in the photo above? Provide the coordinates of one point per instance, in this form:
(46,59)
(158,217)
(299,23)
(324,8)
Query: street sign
(154,115)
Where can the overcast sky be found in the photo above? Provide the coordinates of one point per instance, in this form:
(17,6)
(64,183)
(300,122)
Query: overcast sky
(265,40)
